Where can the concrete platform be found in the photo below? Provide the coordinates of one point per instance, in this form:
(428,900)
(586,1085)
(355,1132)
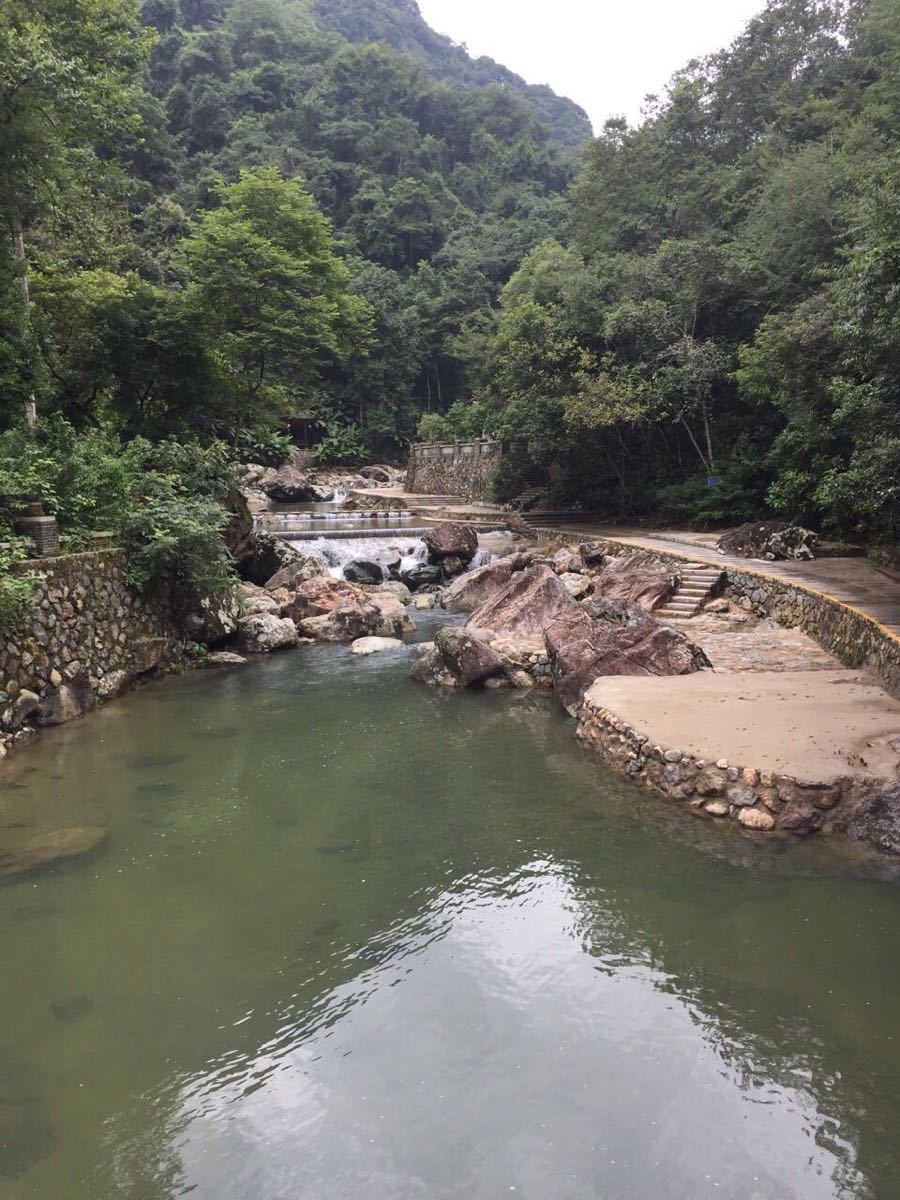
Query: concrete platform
(810,725)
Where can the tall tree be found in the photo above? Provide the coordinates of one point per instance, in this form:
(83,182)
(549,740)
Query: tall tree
(67,79)
(271,295)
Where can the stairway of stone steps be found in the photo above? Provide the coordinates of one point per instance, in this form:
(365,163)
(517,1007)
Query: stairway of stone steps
(698,582)
(528,497)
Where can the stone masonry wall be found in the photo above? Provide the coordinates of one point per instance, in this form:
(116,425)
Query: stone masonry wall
(756,800)
(89,637)
(453,469)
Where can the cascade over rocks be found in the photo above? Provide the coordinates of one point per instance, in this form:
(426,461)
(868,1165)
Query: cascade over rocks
(609,636)
(770,540)
(638,578)
(451,540)
(525,606)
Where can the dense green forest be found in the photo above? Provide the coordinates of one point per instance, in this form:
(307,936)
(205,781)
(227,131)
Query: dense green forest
(222,212)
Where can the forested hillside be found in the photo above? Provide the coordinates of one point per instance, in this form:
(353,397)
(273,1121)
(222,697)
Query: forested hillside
(435,189)
(225,211)
(724,298)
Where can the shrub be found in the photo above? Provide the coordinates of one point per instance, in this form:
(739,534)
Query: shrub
(16,591)
(434,428)
(174,540)
(341,446)
(262,444)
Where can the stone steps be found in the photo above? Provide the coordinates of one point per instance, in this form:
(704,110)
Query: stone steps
(697,584)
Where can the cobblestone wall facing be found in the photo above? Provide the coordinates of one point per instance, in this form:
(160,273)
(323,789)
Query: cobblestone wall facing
(89,637)
(453,469)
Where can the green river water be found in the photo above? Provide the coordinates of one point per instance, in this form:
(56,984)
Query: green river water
(350,938)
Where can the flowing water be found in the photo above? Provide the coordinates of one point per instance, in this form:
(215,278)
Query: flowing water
(351,939)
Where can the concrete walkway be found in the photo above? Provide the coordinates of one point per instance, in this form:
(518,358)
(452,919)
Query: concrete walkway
(851,580)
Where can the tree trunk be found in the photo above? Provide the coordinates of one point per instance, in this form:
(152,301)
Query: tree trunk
(18,239)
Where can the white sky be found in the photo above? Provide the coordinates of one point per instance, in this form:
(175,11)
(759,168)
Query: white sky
(604,54)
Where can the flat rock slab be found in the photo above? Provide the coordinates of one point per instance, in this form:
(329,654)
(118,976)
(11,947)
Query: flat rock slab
(22,853)
(811,725)
(375,645)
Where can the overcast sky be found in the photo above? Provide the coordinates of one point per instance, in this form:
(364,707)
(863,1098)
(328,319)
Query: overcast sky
(604,54)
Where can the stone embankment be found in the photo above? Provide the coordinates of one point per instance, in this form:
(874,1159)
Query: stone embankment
(774,737)
(90,637)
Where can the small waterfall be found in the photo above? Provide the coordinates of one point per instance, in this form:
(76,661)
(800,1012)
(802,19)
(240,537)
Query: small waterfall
(386,552)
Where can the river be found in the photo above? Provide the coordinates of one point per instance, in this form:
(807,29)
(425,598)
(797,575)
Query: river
(351,938)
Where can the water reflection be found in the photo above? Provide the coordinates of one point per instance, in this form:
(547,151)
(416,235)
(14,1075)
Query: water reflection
(513,1037)
(386,942)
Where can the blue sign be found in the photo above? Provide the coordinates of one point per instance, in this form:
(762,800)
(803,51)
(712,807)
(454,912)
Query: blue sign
(713,481)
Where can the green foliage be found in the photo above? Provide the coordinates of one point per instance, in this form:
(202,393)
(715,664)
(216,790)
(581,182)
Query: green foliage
(510,476)
(433,427)
(263,444)
(84,479)
(726,300)
(341,446)
(270,294)
(172,532)
(16,590)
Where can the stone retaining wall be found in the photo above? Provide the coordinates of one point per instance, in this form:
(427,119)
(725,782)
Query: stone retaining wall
(89,637)
(453,469)
(756,800)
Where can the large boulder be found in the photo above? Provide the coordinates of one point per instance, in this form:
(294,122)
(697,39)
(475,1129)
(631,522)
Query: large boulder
(769,540)
(377,472)
(268,555)
(213,620)
(525,606)
(613,637)
(297,571)
(876,821)
(429,669)
(469,659)
(346,623)
(393,621)
(421,575)
(638,578)
(264,632)
(476,587)
(70,700)
(451,540)
(320,595)
(287,483)
(361,570)
(395,588)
